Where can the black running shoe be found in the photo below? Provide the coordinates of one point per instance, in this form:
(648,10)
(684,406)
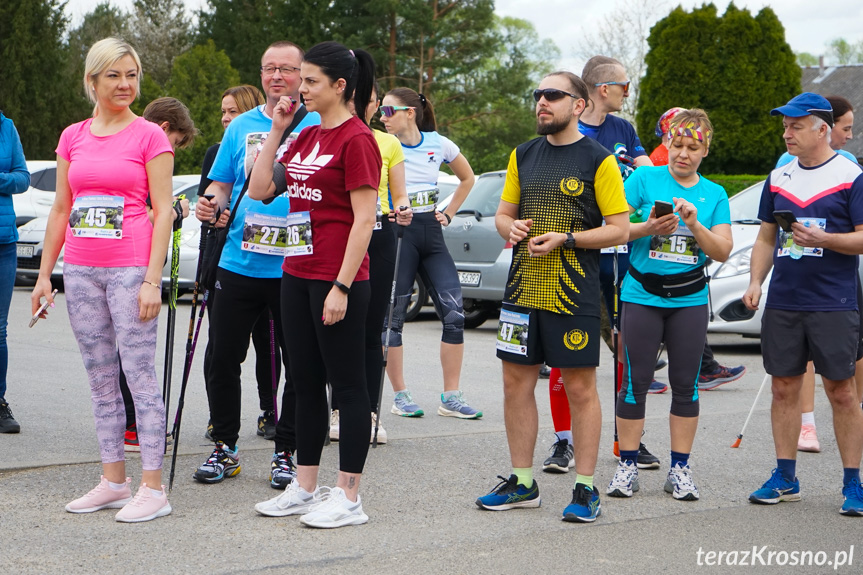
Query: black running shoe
(282,470)
(222,463)
(267,425)
(7,420)
(561,459)
(646,460)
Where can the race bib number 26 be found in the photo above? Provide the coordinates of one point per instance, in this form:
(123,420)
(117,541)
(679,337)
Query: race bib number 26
(299,236)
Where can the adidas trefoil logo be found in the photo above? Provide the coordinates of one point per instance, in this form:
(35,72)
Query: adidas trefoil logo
(301,168)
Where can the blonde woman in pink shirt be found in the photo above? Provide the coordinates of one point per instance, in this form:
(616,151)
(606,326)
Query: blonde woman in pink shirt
(107,166)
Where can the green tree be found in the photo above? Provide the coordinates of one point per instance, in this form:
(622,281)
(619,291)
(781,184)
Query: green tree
(160,31)
(36,87)
(736,67)
(244,28)
(198,79)
(806,59)
(842,52)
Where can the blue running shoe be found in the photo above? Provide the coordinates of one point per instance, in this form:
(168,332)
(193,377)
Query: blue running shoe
(776,489)
(403,404)
(508,494)
(722,375)
(585,506)
(456,406)
(853,493)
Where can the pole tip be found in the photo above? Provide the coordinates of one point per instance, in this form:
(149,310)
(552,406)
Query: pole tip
(737,441)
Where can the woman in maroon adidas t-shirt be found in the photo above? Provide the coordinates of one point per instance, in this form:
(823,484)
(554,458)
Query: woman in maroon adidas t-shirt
(333,171)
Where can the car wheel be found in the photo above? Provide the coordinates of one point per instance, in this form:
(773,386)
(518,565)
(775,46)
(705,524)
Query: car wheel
(419,297)
(475,313)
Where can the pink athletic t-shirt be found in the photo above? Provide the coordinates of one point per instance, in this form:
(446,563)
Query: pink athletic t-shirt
(112,165)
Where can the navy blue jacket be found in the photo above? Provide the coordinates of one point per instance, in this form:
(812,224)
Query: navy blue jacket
(14,177)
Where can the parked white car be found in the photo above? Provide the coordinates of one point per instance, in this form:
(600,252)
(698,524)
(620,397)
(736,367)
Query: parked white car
(32,237)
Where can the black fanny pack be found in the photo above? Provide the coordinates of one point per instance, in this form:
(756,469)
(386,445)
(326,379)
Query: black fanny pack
(675,285)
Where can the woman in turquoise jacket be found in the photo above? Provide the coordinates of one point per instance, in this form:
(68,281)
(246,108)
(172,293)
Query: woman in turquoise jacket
(14,179)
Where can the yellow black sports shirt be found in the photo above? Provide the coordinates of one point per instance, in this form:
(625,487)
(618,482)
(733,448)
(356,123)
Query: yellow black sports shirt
(562,189)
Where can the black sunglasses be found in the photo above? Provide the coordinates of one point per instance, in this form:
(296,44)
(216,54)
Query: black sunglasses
(552,95)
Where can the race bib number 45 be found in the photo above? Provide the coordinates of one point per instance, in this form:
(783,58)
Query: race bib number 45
(680,248)
(512,332)
(264,234)
(97,217)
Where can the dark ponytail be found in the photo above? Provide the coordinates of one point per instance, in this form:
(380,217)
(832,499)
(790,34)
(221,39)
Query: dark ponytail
(355,67)
(421,105)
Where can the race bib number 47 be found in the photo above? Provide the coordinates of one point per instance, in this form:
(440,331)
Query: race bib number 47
(97,217)
(512,332)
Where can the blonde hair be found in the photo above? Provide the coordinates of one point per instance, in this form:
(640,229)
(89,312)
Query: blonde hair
(693,123)
(246,97)
(101,56)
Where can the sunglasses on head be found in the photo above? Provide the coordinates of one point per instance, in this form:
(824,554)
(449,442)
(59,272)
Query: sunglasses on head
(624,84)
(390,111)
(552,95)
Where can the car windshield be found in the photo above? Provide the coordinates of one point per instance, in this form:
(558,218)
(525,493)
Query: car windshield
(744,205)
(484,197)
(45,180)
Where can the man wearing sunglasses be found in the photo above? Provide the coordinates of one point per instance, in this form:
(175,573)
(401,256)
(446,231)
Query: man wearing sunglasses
(558,190)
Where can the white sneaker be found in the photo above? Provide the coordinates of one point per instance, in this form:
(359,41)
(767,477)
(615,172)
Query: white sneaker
(382,433)
(335,511)
(679,483)
(625,480)
(334,425)
(293,501)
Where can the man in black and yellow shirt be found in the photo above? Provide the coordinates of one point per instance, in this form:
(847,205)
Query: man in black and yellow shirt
(558,190)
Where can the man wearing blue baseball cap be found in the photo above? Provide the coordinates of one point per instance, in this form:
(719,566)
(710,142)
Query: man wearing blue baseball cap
(812,303)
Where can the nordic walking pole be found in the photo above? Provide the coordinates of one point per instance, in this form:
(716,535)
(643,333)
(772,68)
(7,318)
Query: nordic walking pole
(172,302)
(401,234)
(751,410)
(202,243)
(181,401)
(614,334)
(273,369)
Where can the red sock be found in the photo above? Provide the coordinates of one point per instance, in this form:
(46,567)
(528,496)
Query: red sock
(558,401)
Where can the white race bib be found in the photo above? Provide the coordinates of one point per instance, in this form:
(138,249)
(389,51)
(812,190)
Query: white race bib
(299,234)
(97,217)
(264,234)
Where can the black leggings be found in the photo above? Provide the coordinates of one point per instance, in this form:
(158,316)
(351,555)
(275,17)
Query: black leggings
(424,252)
(333,353)
(684,330)
(382,261)
(240,302)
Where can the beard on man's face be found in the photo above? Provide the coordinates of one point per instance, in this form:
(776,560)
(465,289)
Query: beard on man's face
(552,126)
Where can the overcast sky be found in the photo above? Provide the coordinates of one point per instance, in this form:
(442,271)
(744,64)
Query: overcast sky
(809,25)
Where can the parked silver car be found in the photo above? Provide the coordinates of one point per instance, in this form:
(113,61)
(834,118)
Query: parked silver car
(32,237)
(481,256)
(729,280)
(37,200)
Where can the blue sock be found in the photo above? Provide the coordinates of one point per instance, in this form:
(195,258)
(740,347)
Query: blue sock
(679,458)
(567,435)
(629,456)
(788,468)
(850,473)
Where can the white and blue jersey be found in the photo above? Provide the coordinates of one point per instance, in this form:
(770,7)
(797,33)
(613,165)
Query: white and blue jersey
(831,197)
(241,144)
(679,252)
(423,161)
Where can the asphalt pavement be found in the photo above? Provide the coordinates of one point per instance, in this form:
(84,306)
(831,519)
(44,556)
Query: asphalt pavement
(418,490)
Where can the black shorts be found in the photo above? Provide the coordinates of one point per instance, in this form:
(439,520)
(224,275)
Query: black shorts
(829,338)
(530,336)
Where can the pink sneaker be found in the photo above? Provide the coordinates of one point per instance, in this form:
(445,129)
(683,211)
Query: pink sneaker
(808,440)
(102,497)
(145,506)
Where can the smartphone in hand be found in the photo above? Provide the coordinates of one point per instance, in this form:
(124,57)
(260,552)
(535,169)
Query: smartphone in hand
(41,310)
(784,218)
(661,208)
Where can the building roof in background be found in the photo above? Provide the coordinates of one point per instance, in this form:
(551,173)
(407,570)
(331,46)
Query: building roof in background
(844,81)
